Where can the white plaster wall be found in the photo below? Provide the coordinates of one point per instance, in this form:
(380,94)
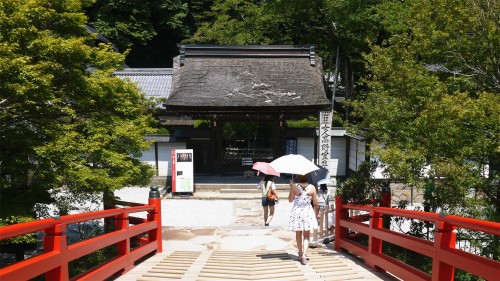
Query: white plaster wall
(338,157)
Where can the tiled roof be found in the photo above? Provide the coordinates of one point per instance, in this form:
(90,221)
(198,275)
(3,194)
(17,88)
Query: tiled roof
(153,82)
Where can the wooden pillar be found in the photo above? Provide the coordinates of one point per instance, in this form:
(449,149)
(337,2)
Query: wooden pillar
(55,242)
(280,144)
(374,244)
(122,223)
(156,159)
(386,195)
(216,136)
(155,215)
(444,239)
(213,146)
(340,214)
(123,247)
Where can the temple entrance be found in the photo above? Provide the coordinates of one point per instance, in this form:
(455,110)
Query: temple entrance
(202,161)
(245,142)
(247,93)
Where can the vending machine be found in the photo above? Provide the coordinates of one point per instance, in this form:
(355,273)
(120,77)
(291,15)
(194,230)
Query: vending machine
(182,171)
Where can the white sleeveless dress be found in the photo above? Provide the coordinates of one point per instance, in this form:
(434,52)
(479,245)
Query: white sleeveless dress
(302,216)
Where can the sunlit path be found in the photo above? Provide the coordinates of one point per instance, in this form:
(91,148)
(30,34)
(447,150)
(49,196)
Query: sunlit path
(249,265)
(226,240)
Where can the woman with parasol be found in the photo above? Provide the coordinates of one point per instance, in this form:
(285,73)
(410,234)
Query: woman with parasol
(303,217)
(268,206)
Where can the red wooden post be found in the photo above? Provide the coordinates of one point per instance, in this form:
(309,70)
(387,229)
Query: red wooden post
(123,247)
(155,234)
(55,241)
(385,201)
(374,244)
(122,223)
(444,238)
(340,214)
(385,196)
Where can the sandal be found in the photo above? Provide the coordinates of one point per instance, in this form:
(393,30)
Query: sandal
(303,260)
(299,257)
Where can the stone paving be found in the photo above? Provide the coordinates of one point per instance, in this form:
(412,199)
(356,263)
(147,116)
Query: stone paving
(227,225)
(227,240)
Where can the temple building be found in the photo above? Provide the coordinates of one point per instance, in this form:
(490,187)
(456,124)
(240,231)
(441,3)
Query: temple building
(232,104)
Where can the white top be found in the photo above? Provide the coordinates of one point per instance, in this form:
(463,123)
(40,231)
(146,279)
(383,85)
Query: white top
(264,189)
(323,198)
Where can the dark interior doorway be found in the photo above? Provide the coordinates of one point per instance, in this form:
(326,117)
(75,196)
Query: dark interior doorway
(246,142)
(201,154)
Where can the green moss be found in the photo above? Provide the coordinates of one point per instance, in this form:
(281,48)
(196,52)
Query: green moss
(201,124)
(309,122)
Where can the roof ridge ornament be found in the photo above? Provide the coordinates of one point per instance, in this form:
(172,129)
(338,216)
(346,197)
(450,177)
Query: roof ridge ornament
(312,55)
(182,59)
(247,51)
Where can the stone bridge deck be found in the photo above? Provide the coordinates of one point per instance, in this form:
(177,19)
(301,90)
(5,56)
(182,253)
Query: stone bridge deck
(227,240)
(248,265)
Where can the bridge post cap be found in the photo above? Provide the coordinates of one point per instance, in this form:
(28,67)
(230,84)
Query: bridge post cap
(154,192)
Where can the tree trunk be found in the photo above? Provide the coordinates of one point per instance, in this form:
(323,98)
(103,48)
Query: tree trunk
(109,202)
(349,88)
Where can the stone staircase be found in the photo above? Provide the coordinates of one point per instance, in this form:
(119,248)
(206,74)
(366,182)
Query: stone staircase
(235,187)
(225,187)
(234,190)
(252,265)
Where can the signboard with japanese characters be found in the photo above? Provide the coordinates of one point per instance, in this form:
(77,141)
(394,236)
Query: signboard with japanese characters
(325,138)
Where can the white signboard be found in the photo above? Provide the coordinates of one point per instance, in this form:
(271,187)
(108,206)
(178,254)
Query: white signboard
(182,171)
(325,138)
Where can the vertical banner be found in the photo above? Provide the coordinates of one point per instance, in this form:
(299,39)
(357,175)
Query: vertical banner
(325,138)
(182,171)
(174,170)
(291,146)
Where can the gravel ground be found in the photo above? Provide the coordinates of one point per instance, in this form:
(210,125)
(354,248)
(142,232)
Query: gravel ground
(204,213)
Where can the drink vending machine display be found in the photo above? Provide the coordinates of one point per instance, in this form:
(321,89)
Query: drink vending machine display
(182,171)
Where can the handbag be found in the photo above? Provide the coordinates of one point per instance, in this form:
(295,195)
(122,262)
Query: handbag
(271,195)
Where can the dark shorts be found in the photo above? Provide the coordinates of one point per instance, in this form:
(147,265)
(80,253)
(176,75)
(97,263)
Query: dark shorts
(266,202)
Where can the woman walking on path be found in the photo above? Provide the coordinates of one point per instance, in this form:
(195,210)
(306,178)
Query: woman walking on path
(303,217)
(264,185)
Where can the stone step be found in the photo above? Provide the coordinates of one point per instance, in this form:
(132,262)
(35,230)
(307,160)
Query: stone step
(229,191)
(239,190)
(237,187)
(249,191)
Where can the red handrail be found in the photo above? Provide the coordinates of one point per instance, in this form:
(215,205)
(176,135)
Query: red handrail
(445,257)
(53,262)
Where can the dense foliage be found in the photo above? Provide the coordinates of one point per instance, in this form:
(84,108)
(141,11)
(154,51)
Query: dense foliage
(422,80)
(433,101)
(65,121)
(149,29)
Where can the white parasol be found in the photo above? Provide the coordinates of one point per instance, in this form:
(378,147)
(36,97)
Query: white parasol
(293,164)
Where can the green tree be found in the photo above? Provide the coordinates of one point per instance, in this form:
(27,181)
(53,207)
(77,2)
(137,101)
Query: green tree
(347,25)
(65,120)
(151,28)
(423,62)
(199,13)
(230,22)
(433,100)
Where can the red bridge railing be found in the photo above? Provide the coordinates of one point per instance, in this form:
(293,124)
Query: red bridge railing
(443,252)
(53,262)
